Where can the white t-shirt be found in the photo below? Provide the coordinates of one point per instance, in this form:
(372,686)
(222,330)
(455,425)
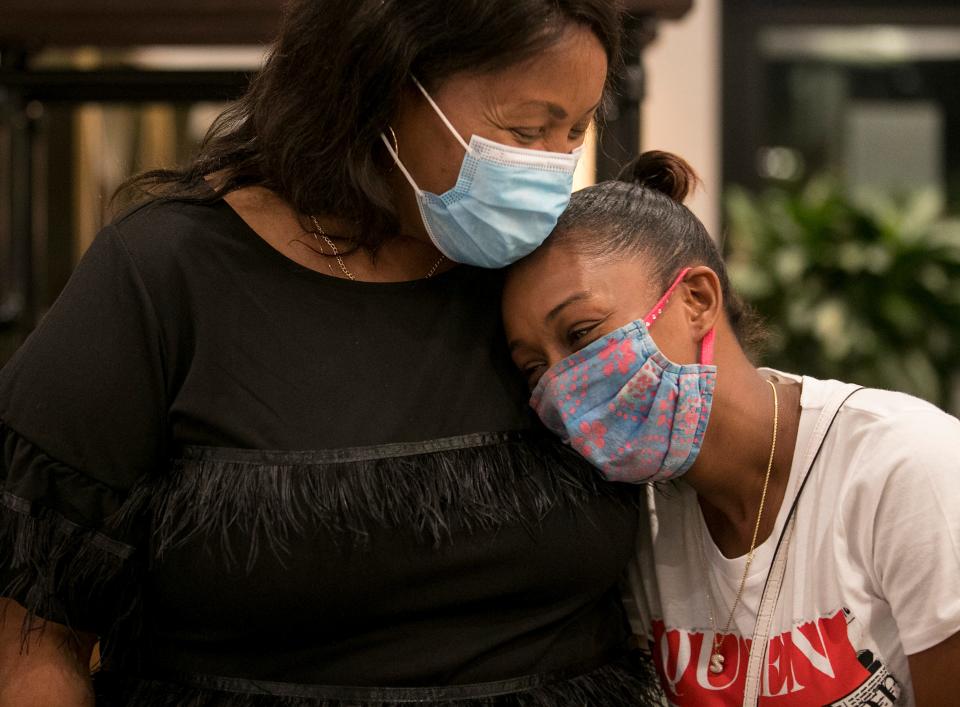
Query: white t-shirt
(873,570)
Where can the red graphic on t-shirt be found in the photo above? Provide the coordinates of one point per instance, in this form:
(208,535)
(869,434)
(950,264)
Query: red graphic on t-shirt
(813,664)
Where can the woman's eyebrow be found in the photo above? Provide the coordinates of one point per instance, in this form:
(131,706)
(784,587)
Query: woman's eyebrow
(575,297)
(515,344)
(556,111)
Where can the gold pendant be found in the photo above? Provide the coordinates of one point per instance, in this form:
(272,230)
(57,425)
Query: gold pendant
(716,663)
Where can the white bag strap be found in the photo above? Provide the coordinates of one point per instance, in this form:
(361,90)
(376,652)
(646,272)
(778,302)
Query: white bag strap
(771,589)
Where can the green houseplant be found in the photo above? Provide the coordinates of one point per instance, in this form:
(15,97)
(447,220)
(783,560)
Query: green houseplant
(859,287)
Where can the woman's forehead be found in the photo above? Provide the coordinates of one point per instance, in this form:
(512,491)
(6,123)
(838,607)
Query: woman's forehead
(553,274)
(569,77)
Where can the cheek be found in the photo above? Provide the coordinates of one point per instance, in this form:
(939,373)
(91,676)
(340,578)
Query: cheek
(681,351)
(428,150)
(674,341)
(435,166)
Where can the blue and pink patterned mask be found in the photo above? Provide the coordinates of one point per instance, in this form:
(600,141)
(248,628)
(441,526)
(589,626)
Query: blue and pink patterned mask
(625,407)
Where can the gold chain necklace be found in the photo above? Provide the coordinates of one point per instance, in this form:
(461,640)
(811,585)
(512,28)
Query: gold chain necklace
(319,233)
(716,659)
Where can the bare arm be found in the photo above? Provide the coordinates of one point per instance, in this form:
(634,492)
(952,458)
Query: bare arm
(936,673)
(51,671)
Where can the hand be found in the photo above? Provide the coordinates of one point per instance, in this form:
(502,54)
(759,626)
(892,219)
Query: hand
(50,670)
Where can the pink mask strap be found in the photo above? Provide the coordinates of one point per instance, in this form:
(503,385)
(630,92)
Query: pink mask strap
(706,346)
(706,349)
(662,304)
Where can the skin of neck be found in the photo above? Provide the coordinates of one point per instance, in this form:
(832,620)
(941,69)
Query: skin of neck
(728,475)
(274,220)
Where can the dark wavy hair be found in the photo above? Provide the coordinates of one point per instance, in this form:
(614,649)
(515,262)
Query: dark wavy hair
(308,127)
(641,214)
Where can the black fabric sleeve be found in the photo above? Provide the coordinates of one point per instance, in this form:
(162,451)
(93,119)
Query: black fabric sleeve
(82,426)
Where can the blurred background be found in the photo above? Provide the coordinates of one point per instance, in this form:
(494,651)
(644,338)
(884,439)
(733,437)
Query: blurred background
(827,135)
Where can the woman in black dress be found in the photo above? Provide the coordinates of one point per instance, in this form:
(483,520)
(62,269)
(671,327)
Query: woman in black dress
(268,447)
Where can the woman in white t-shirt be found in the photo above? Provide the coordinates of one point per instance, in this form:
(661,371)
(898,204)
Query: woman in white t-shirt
(843,503)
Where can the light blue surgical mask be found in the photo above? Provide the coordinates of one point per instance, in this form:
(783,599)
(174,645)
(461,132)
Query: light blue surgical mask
(505,203)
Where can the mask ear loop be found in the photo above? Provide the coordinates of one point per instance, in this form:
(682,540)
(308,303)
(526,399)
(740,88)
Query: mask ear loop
(396,159)
(439,112)
(706,348)
(446,121)
(707,344)
(661,305)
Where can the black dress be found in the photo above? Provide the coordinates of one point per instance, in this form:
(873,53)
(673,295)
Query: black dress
(262,485)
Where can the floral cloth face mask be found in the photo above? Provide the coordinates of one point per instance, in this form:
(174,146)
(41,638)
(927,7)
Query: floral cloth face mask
(627,408)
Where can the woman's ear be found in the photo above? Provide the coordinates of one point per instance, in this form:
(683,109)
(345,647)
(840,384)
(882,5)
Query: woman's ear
(702,299)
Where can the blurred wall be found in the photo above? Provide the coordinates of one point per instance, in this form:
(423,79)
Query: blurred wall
(681,110)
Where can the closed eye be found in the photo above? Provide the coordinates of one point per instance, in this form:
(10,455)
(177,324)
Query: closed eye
(578,131)
(527,134)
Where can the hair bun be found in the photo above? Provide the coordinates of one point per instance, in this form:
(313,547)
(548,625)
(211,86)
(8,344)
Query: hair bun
(663,172)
